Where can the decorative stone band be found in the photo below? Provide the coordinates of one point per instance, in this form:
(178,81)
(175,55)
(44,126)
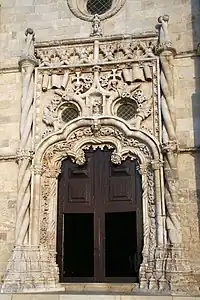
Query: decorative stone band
(38,170)
(170,146)
(165,49)
(157,164)
(22,154)
(28,60)
(154,164)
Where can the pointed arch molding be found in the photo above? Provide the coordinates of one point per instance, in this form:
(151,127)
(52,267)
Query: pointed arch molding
(71,142)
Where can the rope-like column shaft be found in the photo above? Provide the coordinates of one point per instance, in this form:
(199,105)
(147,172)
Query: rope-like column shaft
(145,214)
(52,216)
(27,63)
(24,173)
(166,53)
(167,103)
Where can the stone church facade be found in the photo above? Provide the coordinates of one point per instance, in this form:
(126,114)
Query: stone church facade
(119,76)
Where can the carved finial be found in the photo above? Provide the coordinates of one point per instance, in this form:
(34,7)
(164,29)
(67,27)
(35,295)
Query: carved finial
(164,42)
(96,26)
(28,51)
(29,47)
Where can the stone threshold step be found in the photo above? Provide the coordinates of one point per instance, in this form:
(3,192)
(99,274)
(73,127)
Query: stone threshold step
(122,288)
(89,297)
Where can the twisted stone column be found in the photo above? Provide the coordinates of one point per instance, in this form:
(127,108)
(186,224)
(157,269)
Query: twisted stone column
(178,270)
(166,54)
(27,63)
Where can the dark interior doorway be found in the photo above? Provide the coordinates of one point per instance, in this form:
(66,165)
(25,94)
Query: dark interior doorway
(78,245)
(99,235)
(121,244)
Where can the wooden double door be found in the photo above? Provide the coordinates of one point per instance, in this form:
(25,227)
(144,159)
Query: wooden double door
(99,232)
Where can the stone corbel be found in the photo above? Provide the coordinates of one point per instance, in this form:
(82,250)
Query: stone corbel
(170,146)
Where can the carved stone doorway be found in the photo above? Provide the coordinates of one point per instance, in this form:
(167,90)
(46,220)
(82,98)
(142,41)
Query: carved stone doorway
(99,233)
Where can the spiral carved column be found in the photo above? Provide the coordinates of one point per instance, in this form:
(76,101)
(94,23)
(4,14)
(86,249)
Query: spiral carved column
(178,270)
(27,64)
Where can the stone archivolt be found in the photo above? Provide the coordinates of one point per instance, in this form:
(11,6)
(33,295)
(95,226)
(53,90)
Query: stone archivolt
(126,143)
(97,77)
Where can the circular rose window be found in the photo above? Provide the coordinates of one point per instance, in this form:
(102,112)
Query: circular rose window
(86,9)
(98,7)
(69,113)
(126,111)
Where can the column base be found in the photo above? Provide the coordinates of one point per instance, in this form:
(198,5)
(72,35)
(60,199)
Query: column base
(169,273)
(179,273)
(31,269)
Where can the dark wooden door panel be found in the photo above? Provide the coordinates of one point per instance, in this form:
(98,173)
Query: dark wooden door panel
(121,186)
(120,190)
(99,187)
(76,186)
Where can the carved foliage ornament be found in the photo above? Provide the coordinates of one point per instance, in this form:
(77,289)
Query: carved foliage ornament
(79,9)
(65,55)
(73,147)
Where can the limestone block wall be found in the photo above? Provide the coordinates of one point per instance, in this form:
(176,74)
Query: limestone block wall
(188,133)
(10,91)
(52,20)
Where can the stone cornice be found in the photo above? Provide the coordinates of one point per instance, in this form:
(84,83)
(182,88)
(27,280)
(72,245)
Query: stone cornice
(55,43)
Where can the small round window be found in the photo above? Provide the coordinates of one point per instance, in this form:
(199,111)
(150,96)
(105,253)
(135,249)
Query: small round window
(126,111)
(69,113)
(98,7)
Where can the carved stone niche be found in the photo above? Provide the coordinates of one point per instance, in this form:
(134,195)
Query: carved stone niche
(113,133)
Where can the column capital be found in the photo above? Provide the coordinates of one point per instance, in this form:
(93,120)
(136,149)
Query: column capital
(157,164)
(38,169)
(143,168)
(24,154)
(28,61)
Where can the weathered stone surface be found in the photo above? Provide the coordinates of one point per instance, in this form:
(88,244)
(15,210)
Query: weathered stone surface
(52,20)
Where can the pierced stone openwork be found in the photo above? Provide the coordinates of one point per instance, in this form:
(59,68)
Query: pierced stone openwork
(126,110)
(98,7)
(69,113)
